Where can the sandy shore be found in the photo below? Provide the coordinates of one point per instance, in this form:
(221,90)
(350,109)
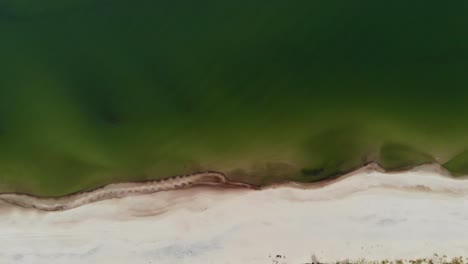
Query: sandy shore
(368,214)
(118,190)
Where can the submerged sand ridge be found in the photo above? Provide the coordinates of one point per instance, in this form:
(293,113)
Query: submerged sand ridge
(369,214)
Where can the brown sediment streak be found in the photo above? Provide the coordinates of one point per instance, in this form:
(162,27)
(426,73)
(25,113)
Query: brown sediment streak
(118,190)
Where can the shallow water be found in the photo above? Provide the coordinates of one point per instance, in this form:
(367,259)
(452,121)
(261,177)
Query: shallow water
(97,91)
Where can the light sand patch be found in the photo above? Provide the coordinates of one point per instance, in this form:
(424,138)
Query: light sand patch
(370,214)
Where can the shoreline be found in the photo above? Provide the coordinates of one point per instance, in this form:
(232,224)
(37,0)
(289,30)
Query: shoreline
(368,214)
(209,178)
(119,190)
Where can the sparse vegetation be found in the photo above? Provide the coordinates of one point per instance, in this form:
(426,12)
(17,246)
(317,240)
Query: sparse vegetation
(435,259)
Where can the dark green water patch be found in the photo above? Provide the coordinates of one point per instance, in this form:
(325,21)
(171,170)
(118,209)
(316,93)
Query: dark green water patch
(332,152)
(458,164)
(395,156)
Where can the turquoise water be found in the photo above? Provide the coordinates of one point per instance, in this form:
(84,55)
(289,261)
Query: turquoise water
(97,91)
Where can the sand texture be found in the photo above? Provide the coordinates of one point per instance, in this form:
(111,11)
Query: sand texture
(369,214)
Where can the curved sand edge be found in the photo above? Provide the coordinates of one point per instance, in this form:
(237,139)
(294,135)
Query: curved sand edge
(117,190)
(209,178)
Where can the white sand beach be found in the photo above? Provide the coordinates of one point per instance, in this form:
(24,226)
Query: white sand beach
(368,214)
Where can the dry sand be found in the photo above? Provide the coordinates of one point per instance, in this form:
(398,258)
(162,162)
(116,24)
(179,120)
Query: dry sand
(369,214)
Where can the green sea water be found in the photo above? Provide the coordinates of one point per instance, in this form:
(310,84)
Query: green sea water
(93,92)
